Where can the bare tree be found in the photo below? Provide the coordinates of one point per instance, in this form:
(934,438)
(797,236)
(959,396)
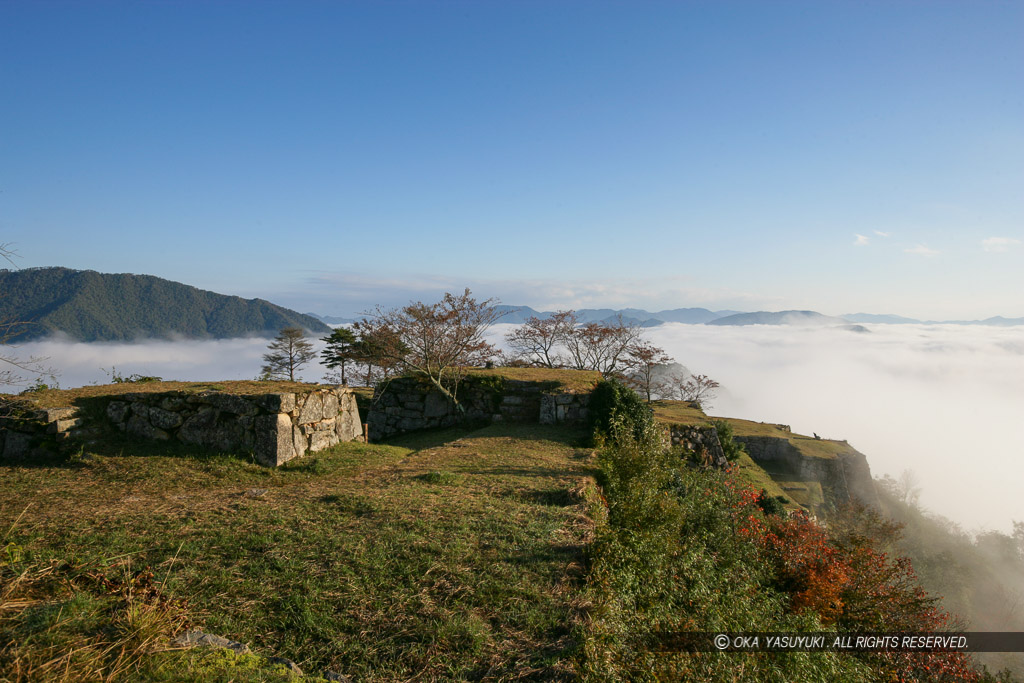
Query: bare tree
(437,341)
(908,487)
(699,389)
(12,368)
(601,347)
(536,341)
(289,351)
(642,362)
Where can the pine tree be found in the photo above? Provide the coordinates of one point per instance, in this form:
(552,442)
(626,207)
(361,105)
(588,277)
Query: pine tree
(289,351)
(342,347)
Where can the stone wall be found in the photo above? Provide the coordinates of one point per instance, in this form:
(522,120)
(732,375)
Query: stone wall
(847,475)
(35,433)
(701,440)
(274,427)
(409,403)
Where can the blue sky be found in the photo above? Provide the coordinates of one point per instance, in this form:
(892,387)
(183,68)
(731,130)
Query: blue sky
(329,156)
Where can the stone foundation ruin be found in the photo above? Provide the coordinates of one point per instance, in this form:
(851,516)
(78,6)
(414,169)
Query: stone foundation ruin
(274,427)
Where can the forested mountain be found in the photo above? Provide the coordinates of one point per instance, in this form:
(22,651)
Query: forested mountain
(90,306)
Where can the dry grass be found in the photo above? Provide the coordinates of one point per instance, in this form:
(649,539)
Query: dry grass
(444,555)
(561,380)
(679,412)
(807,445)
(58,398)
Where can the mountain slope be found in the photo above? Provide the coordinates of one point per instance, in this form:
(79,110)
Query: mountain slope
(89,306)
(778,318)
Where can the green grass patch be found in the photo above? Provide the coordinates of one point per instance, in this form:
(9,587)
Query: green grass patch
(555,380)
(679,412)
(445,555)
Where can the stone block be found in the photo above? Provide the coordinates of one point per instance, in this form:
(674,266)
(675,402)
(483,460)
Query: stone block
(196,428)
(172,403)
(62,426)
(330,405)
(230,403)
(54,414)
(564,399)
(274,444)
(511,400)
(226,436)
(312,410)
(276,403)
(547,409)
(299,441)
(164,419)
(117,411)
(321,440)
(436,405)
(138,425)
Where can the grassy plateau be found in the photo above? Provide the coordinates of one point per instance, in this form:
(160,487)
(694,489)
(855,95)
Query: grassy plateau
(443,555)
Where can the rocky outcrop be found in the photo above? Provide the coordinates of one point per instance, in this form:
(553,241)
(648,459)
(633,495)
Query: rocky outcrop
(847,474)
(274,427)
(407,404)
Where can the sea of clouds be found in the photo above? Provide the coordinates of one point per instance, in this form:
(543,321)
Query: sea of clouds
(944,401)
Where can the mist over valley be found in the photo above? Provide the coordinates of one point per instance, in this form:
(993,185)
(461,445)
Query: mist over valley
(941,400)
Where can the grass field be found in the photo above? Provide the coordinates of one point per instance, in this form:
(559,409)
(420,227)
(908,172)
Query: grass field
(444,555)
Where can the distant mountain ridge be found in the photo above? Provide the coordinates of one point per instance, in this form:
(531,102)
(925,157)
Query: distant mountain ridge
(89,306)
(517,315)
(779,318)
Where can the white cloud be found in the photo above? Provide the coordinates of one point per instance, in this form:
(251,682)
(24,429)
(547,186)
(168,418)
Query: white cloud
(861,241)
(899,394)
(907,396)
(921,250)
(999,244)
(882,234)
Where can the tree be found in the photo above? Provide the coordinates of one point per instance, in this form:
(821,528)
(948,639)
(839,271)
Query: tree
(699,389)
(600,346)
(642,360)
(289,351)
(536,340)
(342,347)
(12,367)
(436,341)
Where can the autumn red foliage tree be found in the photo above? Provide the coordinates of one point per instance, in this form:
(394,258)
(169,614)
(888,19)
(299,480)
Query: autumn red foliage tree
(844,576)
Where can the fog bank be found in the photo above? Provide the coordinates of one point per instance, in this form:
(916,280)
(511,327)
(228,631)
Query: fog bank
(943,400)
(78,363)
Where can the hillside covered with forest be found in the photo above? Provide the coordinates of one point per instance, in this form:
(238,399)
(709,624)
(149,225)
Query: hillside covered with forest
(88,306)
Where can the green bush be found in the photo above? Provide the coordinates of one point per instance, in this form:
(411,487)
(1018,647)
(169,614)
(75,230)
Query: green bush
(667,559)
(772,505)
(733,449)
(614,403)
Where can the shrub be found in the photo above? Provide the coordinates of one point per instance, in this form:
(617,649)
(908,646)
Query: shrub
(614,403)
(733,449)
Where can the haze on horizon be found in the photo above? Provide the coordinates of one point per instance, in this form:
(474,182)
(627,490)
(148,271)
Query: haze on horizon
(839,157)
